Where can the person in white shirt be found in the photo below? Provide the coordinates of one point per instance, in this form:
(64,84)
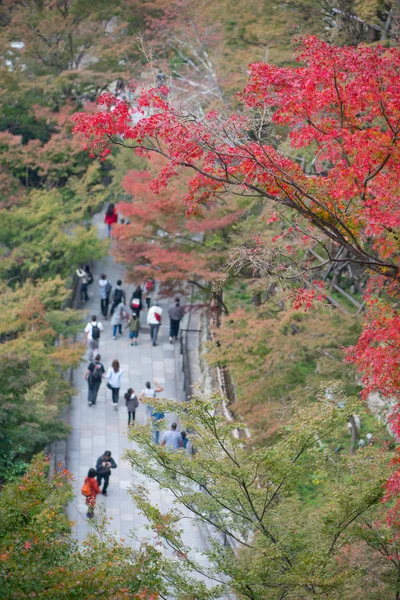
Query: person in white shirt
(105,291)
(150,392)
(92,336)
(154,317)
(114,375)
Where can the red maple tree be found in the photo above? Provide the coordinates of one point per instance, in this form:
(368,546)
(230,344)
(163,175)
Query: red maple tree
(157,240)
(343,105)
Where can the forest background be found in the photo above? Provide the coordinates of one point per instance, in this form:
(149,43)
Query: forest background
(57,58)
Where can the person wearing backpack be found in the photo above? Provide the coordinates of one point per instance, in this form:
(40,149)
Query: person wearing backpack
(105,292)
(94,376)
(134,328)
(131,402)
(149,286)
(120,314)
(118,296)
(92,336)
(90,489)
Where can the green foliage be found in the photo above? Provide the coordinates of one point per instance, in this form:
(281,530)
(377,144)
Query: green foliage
(250,498)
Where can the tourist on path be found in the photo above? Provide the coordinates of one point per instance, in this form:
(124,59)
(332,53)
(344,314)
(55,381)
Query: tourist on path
(105,292)
(90,490)
(114,375)
(134,328)
(175,313)
(119,315)
(92,336)
(136,300)
(94,375)
(172,438)
(84,284)
(154,317)
(156,415)
(110,218)
(149,287)
(104,465)
(118,296)
(131,402)
(150,392)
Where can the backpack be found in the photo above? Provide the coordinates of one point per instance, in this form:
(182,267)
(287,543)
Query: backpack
(86,489)
(89,277)
(97,371)
(149,285)
(118,295)
(95,332)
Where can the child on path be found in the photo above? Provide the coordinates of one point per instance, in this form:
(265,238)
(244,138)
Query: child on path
(132,403)
(134,328)
(90,490)
(114,375)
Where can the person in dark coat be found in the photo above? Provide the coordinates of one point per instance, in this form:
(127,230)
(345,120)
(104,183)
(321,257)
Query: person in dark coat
(175,313)
(94,376)
(137,300)
(131,402)
(104,464)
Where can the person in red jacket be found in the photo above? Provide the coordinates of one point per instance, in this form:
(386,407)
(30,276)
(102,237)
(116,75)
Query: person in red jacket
(92,486)
(110,218)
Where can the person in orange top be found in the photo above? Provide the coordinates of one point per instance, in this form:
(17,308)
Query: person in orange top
(110,218)
(92,487)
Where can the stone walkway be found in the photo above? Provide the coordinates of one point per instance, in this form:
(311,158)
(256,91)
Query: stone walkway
(99,428)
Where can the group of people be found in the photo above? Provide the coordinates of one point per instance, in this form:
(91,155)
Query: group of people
(113,301)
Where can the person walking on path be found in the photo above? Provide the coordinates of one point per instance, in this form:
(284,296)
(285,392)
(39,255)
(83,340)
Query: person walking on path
(156,415)
(172,438)
(110,218)
(175,313)
(154,317)
(119,315)
(94,375)
(105,292)
(90,490)
(92,336)
(131,402)
(84,284)
(114,375)
(150,392)
(134,328)
(149,286)
(118,296)
(105,463)
(136,300)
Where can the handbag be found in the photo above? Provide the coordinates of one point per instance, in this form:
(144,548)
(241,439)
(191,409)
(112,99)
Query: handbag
(110,387)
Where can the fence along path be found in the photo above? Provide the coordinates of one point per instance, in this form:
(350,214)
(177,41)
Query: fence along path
(99,428)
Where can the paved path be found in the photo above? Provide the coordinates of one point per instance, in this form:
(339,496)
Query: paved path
(99,428)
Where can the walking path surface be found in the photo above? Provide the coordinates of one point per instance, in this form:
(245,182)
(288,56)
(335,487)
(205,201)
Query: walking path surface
(100,427)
